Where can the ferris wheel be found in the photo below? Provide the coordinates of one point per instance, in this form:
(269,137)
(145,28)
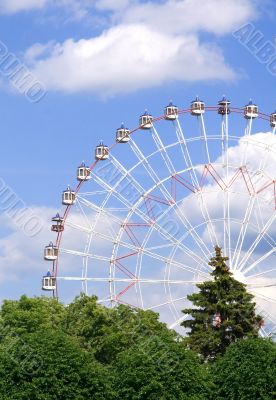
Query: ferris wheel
(142,223)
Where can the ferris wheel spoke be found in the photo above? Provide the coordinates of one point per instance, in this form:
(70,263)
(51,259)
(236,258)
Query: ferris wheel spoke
(150,171)
(176,247)
(179,211)
(162,149)
(129,280)
(178,321)
(258,239)
(264,160)
(263,297)
(260,274)
(243,231)
(226,202)
(133,248)
(203,207)
(84,254)
(206,215)
(248,128)
(167,303)
(101,235)
(126,174)
(204,136)
(271,322)
(248,131)
(179,265)
(196,237)
(186,154)
(180,214)
(146,218)
(83,213)
(190,229)
(262,286)
(99,211)
(122,199)
(259,215)
(259,260)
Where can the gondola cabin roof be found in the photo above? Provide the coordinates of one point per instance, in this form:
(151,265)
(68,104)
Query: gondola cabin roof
(146,114)
(68,190)
(224,102)
(122,128)
(251,104)
(57,218)
(197,100)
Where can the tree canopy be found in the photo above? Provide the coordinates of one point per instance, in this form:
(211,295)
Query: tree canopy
(247,371)
(88,351)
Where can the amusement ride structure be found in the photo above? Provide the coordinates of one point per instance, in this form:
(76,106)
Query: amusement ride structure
(142,223)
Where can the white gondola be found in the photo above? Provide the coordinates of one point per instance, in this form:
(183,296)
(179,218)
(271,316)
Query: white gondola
(197,107)
(68,197)
(224,106)
(58,223)
(101,152)
(171,112)
(122,134)
(83,173)
(273,120)
(251,111)
(49,282)
(146,121)
(50,252)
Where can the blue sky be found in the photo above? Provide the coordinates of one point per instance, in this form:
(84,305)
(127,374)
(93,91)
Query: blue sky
(103,62)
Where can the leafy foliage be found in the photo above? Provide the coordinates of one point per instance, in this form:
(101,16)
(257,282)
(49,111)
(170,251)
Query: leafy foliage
(224,312)
(85,350)
(50,365)
(106,332)
(28,315)
(88,351)
(162,369)
(247,371)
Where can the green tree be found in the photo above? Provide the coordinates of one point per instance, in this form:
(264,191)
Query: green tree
(224,312)
(163,369)
(247,371)
(31,314)
(49,365)
(106,332)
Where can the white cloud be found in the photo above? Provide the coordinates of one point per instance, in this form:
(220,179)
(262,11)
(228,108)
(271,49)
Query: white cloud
(215,16)
(21,254)
(113,5)
(127,58)
(144,45)
(152,44)
(14,6)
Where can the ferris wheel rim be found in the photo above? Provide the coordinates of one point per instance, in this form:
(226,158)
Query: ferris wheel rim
(137,129)
(156,119)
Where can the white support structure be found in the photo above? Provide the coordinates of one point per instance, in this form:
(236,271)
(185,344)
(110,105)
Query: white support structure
(149,221)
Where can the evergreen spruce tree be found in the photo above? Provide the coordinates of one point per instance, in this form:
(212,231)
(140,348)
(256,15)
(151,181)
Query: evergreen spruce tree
(224,312)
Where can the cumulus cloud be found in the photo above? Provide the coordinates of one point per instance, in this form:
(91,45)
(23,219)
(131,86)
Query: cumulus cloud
(126,58)
(144,45)
(22,256)
(187,16)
